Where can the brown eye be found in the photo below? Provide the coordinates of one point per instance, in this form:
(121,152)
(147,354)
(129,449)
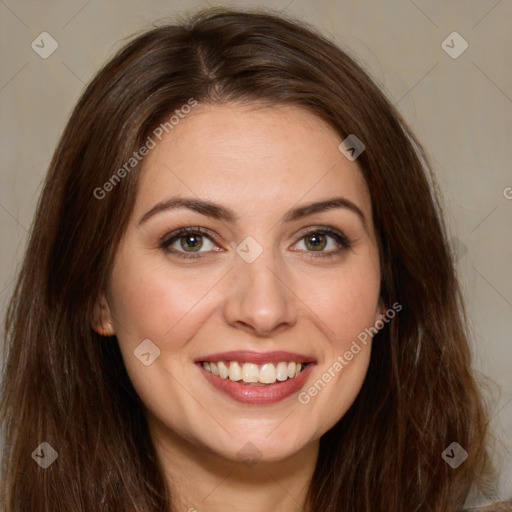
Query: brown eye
(191,242)
(188,243)
(315,241)
(325,242)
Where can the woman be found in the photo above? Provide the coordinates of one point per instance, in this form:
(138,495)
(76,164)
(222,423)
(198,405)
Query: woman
(238,294)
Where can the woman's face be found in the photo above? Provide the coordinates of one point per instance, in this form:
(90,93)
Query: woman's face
(275,275)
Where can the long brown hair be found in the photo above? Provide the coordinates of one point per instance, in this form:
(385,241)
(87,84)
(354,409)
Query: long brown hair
(66,385)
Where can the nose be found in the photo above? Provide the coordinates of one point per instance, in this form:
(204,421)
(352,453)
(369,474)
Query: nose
(259,300)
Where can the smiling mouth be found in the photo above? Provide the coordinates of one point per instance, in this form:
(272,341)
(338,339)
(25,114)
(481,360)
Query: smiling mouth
(266,374)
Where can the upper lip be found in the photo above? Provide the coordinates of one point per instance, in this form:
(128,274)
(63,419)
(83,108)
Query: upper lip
(250,356)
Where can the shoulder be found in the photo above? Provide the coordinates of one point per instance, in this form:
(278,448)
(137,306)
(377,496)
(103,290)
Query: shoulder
(504,506)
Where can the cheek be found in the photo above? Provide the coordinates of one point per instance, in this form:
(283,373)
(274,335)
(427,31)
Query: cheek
(150,301)
(345,314)
(347,303)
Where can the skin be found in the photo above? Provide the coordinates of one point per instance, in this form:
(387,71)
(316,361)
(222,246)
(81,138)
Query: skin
(259,162)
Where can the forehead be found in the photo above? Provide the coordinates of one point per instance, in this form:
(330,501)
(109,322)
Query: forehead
(250,155)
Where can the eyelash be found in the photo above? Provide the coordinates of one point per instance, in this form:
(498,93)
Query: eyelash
(340,238)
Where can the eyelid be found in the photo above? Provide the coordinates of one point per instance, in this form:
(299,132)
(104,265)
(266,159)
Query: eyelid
(175,234)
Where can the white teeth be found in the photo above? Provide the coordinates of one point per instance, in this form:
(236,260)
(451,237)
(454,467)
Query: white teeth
(214,369)
(268,373)
(235,372)
(281,371)
(223,370)
(251,373)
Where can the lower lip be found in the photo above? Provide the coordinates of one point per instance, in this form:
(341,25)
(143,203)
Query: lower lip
(251,394)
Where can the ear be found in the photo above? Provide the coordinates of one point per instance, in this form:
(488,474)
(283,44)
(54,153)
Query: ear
(102,322)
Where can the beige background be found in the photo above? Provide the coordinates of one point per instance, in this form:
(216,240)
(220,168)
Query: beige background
(461,109)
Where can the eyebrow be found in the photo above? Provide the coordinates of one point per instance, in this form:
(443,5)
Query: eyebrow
(217,211)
